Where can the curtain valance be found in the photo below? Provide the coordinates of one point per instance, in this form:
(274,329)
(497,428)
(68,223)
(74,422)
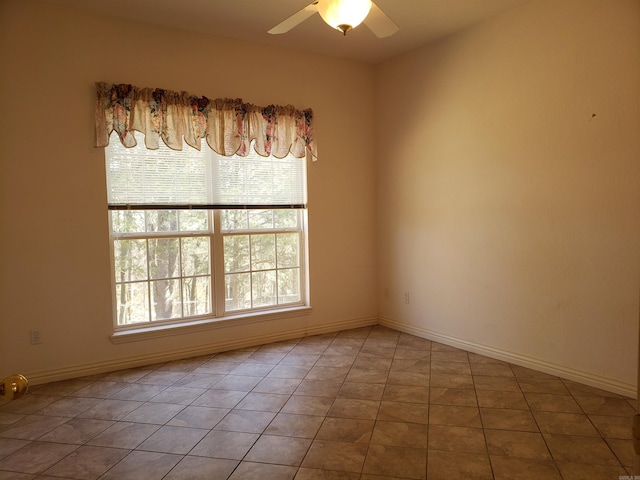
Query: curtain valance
(228,125)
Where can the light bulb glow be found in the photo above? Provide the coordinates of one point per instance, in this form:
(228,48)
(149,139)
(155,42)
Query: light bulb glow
(344,15)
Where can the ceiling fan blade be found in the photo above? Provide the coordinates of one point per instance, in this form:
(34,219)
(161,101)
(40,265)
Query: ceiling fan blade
(379,23)
(295,19)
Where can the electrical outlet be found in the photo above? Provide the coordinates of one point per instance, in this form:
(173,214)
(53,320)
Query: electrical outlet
(406,298)
(36,338)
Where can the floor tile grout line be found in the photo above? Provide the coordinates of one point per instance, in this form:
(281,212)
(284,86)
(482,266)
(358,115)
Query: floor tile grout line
(546,444)
(426,464)
(484,434)
(375,421)
(274,417)
(333,403)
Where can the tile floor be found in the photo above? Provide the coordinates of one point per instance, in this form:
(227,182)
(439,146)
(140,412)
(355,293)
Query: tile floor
(369,404)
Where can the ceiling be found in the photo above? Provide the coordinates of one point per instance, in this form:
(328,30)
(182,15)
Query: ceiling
(420,22)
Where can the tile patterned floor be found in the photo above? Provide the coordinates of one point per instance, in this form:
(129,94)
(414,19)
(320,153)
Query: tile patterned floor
(368,404)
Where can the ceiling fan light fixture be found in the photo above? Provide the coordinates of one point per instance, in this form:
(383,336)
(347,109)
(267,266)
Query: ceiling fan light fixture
(344,15)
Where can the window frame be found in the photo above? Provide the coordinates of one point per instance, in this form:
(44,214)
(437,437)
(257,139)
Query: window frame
(219,315)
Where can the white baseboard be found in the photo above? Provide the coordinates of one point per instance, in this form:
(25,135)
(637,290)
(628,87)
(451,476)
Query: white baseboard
(568,373)
(37,378)
(587,378)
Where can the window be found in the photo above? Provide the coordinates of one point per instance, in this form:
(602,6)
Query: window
(196,235)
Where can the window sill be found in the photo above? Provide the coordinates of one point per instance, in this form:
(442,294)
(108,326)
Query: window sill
(158,331)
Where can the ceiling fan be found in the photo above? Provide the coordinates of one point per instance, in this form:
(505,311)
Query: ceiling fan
(343,15)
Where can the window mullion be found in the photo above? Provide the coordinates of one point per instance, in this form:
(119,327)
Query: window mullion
(217,267)
(251,269)
(180,273)
(276,269)
(148,282)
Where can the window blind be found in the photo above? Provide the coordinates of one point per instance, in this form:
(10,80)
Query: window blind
(139,178)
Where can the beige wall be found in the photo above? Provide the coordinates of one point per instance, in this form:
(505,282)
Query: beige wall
(509,189)
(54,249)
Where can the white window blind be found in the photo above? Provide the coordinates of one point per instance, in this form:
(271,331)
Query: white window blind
(138,178)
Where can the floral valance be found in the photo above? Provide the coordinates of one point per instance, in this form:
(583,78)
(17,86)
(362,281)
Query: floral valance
(228,125)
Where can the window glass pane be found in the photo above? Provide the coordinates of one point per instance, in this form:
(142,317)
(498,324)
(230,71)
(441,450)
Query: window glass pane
(260,219)
(263,288)
(236,253)
(196,292)
(194,220)
(234,220)
(123,221)
(285,218)
(164,261)
(165,299)
(288,250)
(195,256)
(237,291)
(162,220)
(132,303)
(263,252)
(130,258)
(289,285)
